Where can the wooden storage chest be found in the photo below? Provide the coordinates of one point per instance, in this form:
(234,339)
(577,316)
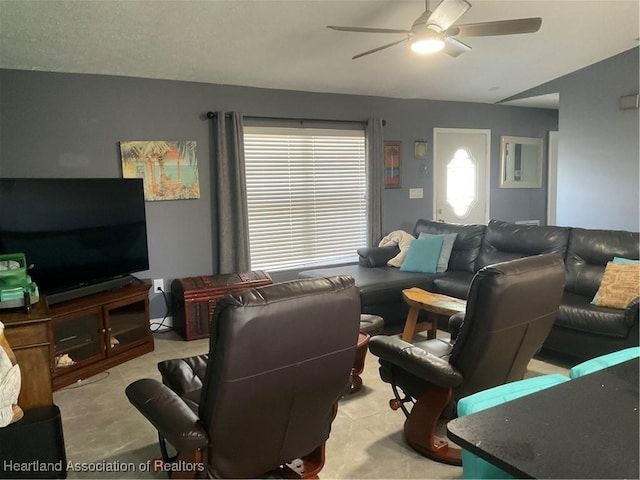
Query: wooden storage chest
(194,298)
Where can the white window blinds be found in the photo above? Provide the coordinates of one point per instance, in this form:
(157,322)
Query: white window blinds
(305,195)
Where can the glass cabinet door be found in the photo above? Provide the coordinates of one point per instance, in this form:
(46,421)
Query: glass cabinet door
(126,325)
(78,339)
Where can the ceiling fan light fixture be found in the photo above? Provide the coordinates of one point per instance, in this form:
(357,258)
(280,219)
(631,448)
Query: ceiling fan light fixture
(426,45)
(436,30)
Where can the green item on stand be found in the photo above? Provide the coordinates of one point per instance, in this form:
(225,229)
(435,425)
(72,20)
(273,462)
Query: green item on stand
(15,285)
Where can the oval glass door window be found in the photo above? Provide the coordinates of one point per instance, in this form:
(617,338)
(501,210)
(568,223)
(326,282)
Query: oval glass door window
(462,183)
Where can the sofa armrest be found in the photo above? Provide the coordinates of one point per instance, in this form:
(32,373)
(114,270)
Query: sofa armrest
(631,313)
(415,360)
(376,256)
(171,416)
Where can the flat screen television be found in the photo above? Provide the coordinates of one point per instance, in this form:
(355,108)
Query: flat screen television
(82,236)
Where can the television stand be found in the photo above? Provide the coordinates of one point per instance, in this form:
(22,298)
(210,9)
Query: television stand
(90,289)
(96,332)
(70,341)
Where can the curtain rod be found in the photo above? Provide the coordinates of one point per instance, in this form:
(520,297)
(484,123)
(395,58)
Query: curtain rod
(212,115)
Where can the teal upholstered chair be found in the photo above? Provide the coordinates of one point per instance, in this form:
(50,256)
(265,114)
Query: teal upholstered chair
(604,361)
(474,466)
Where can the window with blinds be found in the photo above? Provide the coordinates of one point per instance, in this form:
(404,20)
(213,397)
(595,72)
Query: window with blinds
(306,195)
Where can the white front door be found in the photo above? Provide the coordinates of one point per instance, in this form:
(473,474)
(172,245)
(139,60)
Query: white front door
(461,175)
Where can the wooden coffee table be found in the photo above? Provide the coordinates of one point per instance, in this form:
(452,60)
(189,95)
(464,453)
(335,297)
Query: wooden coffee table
(434,304)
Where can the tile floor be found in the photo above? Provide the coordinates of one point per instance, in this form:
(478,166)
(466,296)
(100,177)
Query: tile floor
(102,430)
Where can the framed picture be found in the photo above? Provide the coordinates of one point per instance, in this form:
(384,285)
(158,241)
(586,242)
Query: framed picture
(420,150)
(392,158)
(169,169)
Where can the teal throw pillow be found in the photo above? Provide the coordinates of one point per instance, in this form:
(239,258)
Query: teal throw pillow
(448,240)
(624,260)
(615,260)
(423,255)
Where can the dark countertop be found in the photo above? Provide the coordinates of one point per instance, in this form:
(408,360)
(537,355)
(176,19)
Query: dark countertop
(585,428)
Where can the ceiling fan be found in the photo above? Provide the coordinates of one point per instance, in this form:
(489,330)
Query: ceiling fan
(435,31)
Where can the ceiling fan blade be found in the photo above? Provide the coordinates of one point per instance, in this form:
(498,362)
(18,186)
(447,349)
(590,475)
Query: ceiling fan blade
(367,29)
(447,13)
(454,48)
(500,27)
(379,48)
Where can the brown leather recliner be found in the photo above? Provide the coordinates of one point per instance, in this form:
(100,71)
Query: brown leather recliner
(510,310)
(280,357)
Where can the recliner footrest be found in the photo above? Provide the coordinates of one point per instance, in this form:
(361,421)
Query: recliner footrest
(371,324)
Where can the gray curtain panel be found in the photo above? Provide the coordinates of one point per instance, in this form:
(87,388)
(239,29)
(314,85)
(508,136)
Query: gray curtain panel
(230,195)
(375,171)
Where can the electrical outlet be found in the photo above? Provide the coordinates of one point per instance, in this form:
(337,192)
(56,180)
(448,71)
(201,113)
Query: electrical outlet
(158,285)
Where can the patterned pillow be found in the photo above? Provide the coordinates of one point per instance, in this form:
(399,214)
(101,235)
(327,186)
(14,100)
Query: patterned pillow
(10,382)
(615,260)
(620,284)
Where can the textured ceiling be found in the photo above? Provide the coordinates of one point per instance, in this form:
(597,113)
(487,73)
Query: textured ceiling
(285,45)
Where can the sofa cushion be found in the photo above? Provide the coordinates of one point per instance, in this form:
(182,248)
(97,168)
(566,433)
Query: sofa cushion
(423,254)
(588,253)
(466,246)
(577,313)
(620,284)
(448,239)
(377,285)
(454,284)
(504,241)
(619,260)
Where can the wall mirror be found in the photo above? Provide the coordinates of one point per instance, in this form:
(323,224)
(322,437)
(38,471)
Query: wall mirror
(520,162)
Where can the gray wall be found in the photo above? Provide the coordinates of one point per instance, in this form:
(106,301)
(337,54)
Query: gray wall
(416,119)
(69,125)
(598,153)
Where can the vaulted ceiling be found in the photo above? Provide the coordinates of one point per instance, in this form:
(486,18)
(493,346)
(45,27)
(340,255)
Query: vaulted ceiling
(284,44)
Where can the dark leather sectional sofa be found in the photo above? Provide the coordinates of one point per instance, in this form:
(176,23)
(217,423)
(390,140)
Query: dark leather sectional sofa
(581,330)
